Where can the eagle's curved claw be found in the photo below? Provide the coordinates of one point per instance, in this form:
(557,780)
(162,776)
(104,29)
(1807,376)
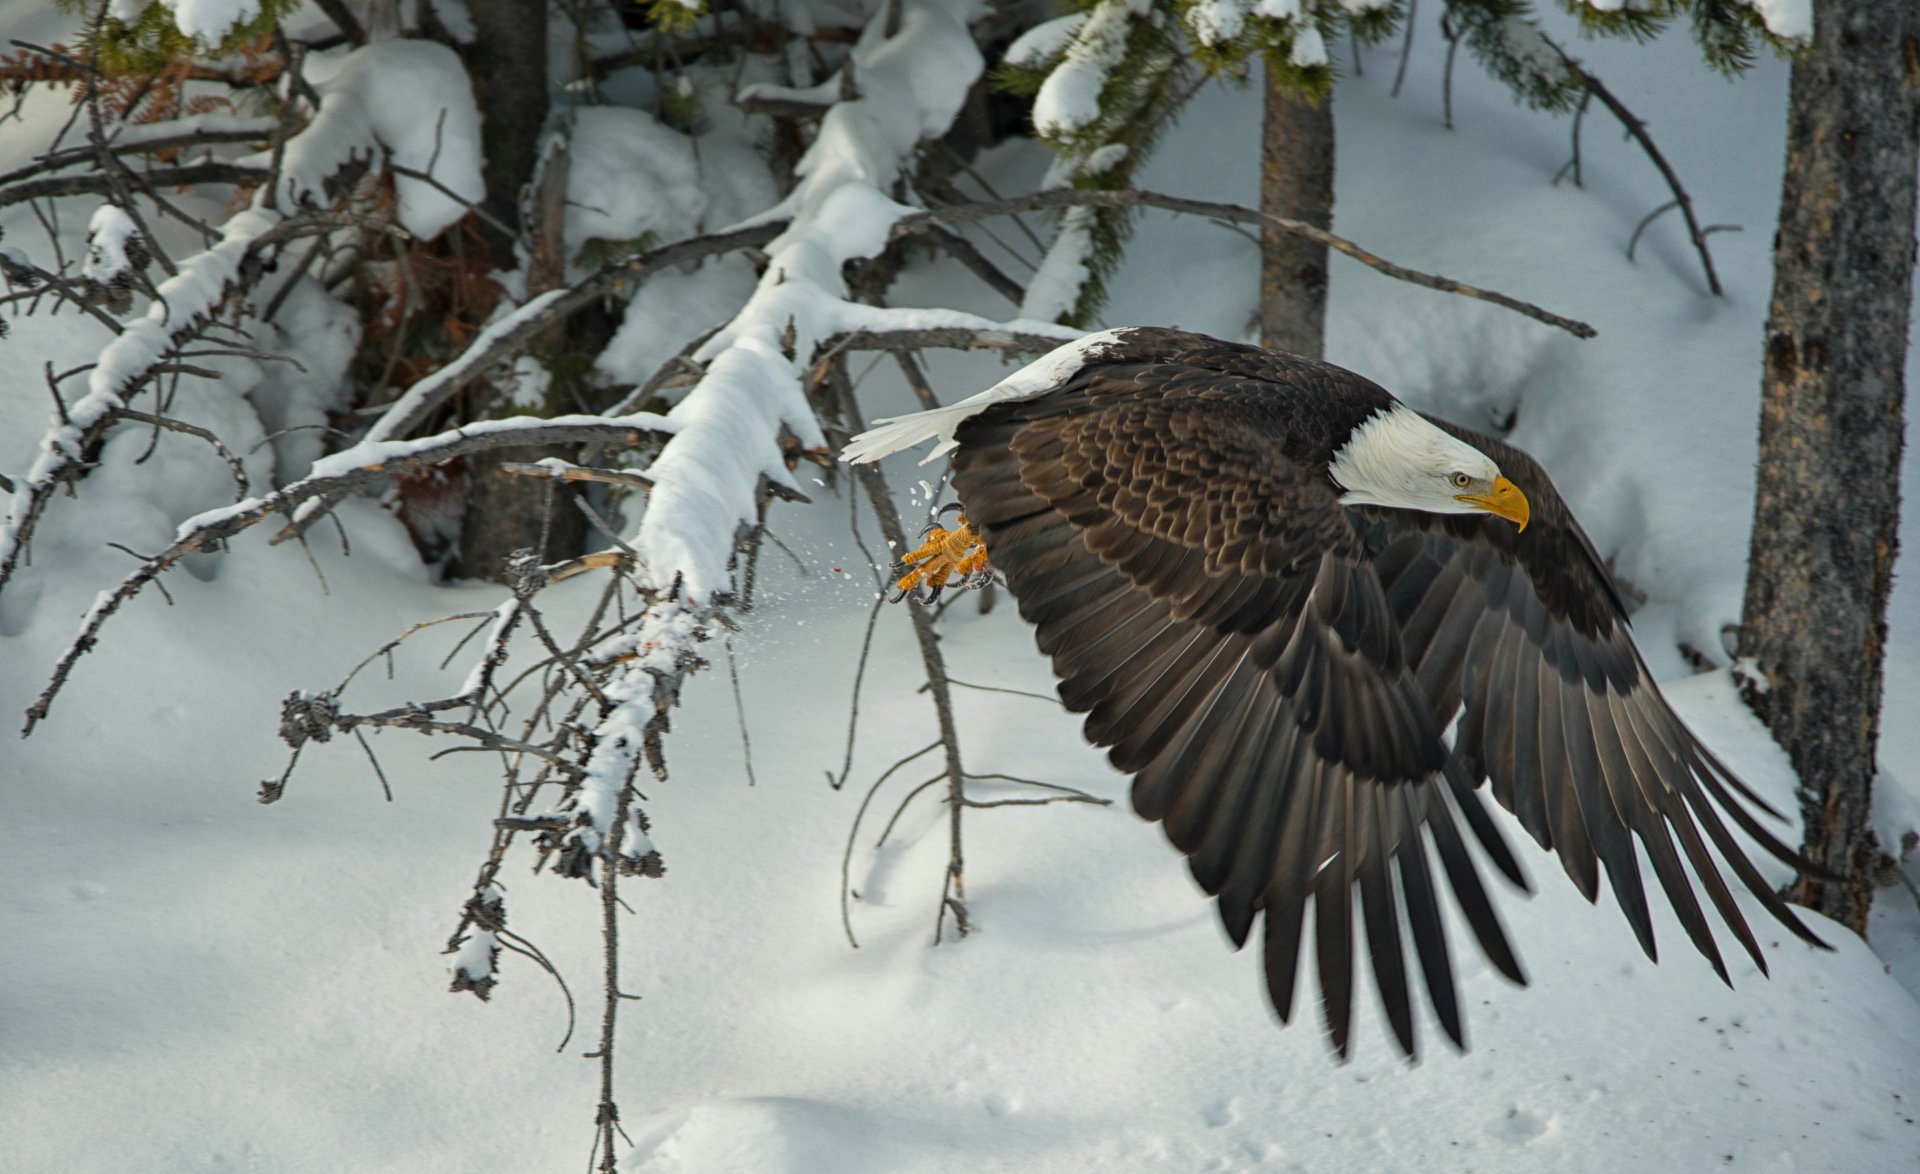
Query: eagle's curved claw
(946,558)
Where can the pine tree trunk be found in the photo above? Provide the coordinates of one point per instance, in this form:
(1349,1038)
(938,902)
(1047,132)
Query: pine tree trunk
(1826,512)
(507,61)
(1296,181)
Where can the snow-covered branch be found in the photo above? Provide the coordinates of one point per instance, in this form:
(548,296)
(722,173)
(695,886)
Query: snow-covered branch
(360,465)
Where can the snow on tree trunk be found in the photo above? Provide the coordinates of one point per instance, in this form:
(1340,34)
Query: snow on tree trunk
(1296,181)
(1827,507)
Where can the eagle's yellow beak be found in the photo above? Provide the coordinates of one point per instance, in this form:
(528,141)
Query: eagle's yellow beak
(1506,501)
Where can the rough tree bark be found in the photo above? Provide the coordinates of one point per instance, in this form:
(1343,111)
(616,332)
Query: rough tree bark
(1825,527)
(507,61)
(1296,180)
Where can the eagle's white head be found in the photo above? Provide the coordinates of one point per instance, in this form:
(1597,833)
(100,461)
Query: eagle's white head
(1397,458)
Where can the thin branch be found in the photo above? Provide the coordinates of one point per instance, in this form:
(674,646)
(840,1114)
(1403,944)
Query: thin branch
(1406,48)
(1073,198)
(557,470)
(100,183)
(147,145)
(846,857)
(901,809)
(1638,129)
(853,705)
(964,251)
(244,486)
(953,888)
(1633,241)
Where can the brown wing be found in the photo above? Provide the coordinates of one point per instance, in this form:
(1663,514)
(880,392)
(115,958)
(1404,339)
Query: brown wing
(1524,636)
(1213,610)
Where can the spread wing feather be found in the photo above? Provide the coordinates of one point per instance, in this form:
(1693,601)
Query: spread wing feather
(1276,672)
(1269,715)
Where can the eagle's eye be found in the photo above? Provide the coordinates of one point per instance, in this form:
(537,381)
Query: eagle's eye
(1460,480)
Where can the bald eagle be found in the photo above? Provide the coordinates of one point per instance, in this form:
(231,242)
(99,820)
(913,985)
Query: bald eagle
(1272,588)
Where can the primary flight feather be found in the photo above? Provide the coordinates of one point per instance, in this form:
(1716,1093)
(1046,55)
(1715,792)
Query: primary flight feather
(1272,587)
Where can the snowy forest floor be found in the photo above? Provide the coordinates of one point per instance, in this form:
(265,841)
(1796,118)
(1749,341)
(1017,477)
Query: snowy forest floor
(193,981)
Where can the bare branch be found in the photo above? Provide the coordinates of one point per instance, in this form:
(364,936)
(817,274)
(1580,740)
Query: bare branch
(157,144)
(1638,130)
(101,183)
(172,425)
(953,889)
(1074,198)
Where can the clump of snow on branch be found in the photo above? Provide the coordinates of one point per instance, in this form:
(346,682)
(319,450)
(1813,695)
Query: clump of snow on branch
(1055,286)
(476,950)
(1216,22)
(1040,43)
(1789,20)
(111,236)
(1070,97)
(656,655)
(1533,54)
(628,175)
(207,20)
(408,98)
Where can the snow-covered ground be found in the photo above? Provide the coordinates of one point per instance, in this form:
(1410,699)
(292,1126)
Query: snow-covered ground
(193,981)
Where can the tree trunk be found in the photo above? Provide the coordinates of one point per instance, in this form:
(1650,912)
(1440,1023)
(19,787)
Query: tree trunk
(508,64)
(1826,513)
(1296,181)
(507,61)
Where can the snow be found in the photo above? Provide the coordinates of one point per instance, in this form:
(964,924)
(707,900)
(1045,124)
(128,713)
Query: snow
(198,982)
(1039,43)
(408,97)
(1070,97)
(628,175)
(108,235)
(208,20)
(1790,20)
(1309,48)
(1217,22)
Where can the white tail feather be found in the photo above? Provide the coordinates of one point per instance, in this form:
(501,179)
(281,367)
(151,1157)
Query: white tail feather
(890,435)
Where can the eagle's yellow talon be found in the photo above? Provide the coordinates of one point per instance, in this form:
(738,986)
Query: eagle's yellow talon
(945,556)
